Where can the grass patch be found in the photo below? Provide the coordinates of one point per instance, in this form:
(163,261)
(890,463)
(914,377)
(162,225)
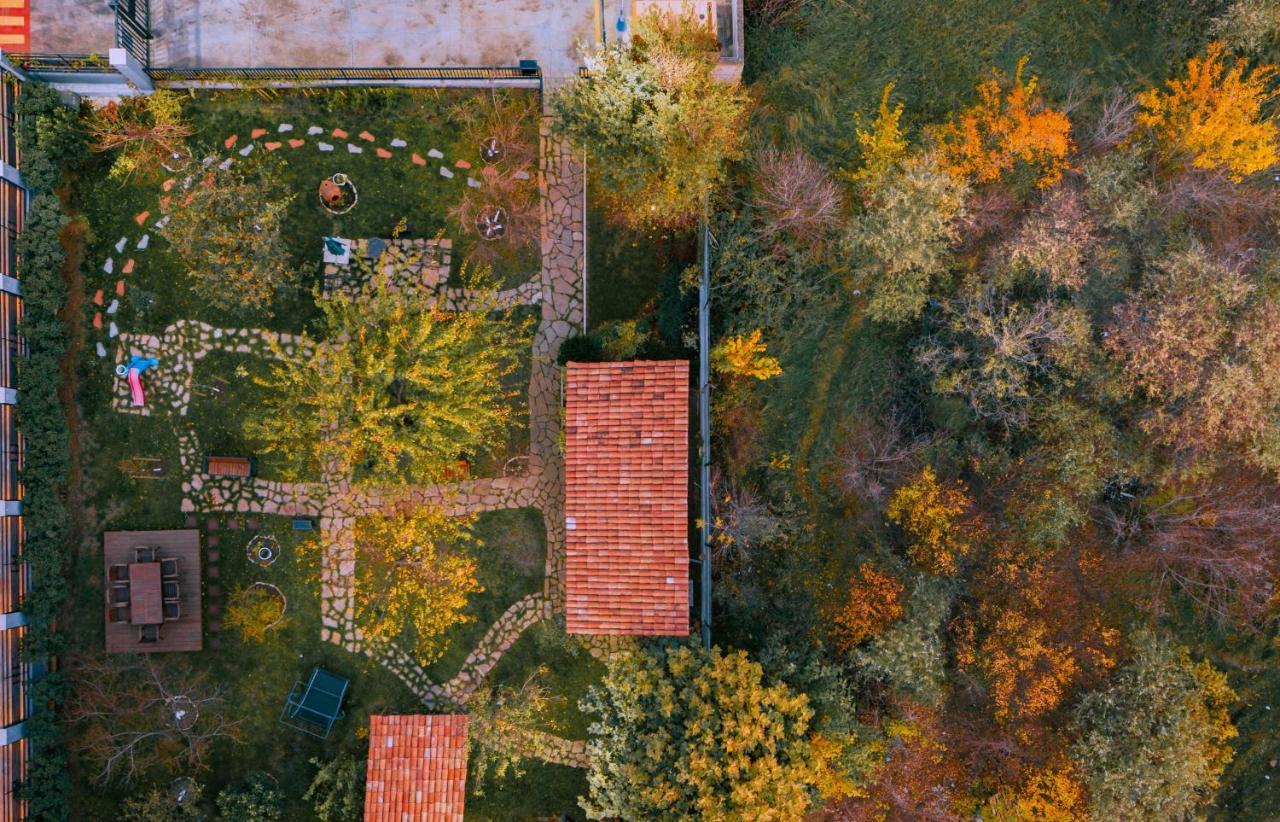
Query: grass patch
(626,268)
(832,61)
(510,564)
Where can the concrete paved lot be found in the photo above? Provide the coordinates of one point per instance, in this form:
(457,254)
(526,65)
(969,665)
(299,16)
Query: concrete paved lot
(335,32)
(77,26)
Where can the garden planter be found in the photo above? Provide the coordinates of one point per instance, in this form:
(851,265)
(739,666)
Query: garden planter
(491,150)
(492,222)
(338,194)
(185,713)
(284,601)
(263,549)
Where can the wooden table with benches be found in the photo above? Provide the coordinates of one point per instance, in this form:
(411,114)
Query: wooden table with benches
(153,592)
(145,604)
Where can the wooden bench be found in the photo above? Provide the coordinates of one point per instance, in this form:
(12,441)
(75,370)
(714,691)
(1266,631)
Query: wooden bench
(228,466)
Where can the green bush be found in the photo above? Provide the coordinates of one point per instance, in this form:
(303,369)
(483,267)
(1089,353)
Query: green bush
(257,798)
(581,348)
(50,136)
(337,790)
(910,655)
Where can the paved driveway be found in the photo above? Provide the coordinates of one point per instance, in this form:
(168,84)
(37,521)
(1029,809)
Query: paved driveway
(335,32)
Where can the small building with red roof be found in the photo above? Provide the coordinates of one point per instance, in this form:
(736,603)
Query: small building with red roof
(626,463)
(417,768)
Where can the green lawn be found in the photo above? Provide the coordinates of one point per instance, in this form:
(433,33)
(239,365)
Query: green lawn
(257,678)
(627,269)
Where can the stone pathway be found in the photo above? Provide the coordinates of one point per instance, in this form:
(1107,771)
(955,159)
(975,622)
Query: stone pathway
(557,290)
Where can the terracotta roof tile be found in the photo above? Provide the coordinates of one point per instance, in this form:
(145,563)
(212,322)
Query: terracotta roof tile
(417,768)
(626,498)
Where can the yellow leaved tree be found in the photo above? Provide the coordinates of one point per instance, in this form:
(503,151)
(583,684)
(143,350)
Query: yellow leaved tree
(883,145)
(936,519)
(1009,124)
(1052,793)
(414,573)
(744,355)
(1215,115)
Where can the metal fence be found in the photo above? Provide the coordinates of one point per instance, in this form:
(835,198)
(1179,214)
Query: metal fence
(528,72)
(704,437)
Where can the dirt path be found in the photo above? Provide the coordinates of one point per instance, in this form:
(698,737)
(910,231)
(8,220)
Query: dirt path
(72,239)
(829,366)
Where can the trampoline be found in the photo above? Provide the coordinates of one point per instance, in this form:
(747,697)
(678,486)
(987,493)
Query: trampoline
(315,708)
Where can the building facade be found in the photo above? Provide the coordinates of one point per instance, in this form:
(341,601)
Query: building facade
(14,671)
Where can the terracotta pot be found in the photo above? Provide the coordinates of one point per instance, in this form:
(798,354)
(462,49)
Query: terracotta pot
(330,192)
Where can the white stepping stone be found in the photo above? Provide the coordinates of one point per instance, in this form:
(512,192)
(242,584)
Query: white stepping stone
(435,153)
(120,245)
(217,333)
(208,161)
(162,222)
(354,149)
(225,164)
(109,265)
(112,331)
(101,349)
(285,127)
(247,150)
(324,146)
(473,182)
(114,307)
(445,172)
(521,175)
(144,242)
(398,143)
(314,130)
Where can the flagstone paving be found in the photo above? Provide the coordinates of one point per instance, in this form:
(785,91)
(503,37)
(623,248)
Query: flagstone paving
(538,481)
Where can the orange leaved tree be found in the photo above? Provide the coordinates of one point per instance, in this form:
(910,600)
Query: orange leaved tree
(1215,115)
(874,601)
(1010,124)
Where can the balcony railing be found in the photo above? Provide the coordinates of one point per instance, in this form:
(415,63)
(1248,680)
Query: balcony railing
(58,62)
(318,75)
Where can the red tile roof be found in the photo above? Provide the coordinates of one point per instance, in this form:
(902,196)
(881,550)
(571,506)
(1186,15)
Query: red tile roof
(417,768)
(626,466)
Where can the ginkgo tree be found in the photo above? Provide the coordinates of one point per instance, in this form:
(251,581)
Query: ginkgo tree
(414,573)
(397,389)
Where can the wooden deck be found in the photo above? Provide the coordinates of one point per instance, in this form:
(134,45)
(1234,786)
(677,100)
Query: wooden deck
(184,634)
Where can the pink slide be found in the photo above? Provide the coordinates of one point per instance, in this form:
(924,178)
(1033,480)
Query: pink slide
(135,387)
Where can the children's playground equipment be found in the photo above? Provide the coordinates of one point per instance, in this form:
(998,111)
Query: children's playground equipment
(133,374)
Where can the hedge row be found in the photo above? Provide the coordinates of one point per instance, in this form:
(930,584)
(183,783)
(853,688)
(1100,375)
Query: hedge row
(50,138)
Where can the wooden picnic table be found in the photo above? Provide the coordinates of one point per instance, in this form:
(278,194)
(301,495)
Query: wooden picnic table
(145,604)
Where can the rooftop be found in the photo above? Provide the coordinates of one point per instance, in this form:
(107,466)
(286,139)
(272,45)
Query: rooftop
(627,498)
(417,768)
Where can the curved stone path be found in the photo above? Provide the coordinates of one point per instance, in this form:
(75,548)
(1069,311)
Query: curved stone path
(557,290)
